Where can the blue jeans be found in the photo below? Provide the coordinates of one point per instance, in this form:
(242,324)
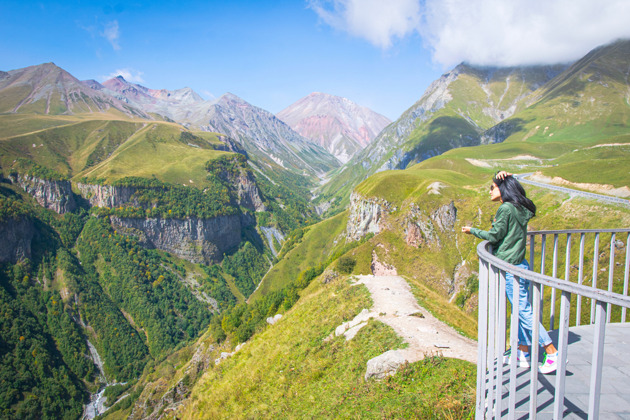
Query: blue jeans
(525,313)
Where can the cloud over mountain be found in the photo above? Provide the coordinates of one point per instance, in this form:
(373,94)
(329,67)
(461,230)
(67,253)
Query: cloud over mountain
(485,32)
(375,20)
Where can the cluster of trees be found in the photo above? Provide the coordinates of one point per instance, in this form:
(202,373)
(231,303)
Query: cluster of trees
(42,360)
(140,282)
(154,198)
(11,207)
(29,167)
(248,266)
(133,300)
(215,286)
(227,167)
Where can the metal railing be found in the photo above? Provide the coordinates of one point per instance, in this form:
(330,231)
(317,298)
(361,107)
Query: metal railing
(582,283)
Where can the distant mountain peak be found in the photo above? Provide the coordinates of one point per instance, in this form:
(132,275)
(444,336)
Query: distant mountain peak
(53,91)
(339,125)
(172,104)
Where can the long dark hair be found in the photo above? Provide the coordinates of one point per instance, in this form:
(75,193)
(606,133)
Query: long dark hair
(513,192)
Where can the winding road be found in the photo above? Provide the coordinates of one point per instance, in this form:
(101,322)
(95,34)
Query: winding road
(600,197)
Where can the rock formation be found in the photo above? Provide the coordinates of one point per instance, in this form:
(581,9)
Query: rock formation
(196,240)
(51,194)
(17,235)
(365,216)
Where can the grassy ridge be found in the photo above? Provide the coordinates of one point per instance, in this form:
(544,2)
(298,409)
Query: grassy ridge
(314,247)
(301,375)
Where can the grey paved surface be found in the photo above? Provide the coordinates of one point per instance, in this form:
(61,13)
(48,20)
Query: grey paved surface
(600,197)
(615,397)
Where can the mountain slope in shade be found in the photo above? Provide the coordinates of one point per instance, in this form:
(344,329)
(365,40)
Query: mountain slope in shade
(262,135)
(49,90)
(335,123)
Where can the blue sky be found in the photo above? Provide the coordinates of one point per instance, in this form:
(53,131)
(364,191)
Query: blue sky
(380,54)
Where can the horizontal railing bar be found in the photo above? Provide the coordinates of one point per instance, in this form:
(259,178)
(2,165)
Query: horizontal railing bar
(597,294)
(553,232)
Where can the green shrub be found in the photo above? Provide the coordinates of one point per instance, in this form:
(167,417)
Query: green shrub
(346,264)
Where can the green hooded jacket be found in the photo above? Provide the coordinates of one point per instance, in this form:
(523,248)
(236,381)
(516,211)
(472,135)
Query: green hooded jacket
(508,235)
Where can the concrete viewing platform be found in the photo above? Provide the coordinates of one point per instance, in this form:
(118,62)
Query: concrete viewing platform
(615,388)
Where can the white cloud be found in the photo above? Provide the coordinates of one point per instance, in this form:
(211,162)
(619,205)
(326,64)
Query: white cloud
(485,32)
(377,21)
(112,34)
(517,32)
(130,75)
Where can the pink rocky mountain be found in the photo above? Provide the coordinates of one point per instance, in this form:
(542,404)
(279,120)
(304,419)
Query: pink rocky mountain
(337,124)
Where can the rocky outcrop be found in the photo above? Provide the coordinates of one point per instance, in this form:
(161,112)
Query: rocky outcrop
(384,365)
(366,216)
(422,229)
(248,192)
(270,234)
(380,268)
(445,216)
(106,195)
(17,235)
(51,194)
(419,229)
(196,240)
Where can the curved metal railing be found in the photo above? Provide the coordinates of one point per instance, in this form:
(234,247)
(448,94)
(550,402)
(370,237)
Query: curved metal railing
(608,303)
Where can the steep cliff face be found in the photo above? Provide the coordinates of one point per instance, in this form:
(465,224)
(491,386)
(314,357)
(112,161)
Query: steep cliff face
(366,216)
(196,240)
(17,235)
(54,195)
(106,195)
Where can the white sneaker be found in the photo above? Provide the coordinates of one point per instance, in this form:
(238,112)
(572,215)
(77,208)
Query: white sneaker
(549,364)
(522,359)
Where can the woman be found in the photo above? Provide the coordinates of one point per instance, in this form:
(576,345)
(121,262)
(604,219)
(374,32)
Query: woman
(508,237)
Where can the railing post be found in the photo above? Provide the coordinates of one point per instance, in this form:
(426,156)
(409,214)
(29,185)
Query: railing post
(625,277)
(611,268)
(598,361)
(482,339)
(533,378)
(578,310)
(543,245)
(595,266)
(552,310)
(491,361)
(513,344)
(563,344)
(501,329)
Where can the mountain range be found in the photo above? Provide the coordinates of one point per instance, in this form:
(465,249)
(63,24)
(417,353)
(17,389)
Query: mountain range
(469,106)
(146,232)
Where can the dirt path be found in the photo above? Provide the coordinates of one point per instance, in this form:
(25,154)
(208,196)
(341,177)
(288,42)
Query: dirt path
(395,305)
